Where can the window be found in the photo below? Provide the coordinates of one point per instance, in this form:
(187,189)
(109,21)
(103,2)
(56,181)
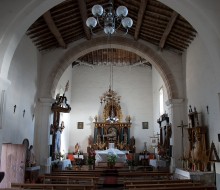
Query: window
(161,101)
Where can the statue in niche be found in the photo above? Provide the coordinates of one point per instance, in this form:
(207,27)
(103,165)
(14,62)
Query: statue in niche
(125,137)
(112,132)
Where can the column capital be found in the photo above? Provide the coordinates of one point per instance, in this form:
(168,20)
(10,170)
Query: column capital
(171,102)
(4,83)
(46,101)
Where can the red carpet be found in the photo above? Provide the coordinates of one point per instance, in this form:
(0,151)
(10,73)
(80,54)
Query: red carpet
(110,178)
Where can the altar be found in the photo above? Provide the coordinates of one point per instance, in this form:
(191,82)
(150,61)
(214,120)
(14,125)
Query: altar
(207,178)
(110,130)
(101,155)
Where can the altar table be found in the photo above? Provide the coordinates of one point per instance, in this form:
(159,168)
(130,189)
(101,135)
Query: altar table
(64,164)
(157,163)
(101,155)
(203,177)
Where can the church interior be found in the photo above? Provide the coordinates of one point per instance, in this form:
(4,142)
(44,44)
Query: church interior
(109,94)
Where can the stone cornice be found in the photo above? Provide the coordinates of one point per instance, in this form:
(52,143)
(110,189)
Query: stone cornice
(171,102)
(4,83)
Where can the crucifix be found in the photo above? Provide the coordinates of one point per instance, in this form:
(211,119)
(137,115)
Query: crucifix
(182,126)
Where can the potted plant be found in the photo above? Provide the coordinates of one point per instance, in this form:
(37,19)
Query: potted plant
(111,160)
(130,161)
(91,159)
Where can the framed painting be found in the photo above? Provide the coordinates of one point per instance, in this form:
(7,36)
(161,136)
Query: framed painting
(144,125)
(80,125)
(154,141)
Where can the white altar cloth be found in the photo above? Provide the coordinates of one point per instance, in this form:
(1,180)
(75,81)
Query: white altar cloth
(101,155)
(63,164)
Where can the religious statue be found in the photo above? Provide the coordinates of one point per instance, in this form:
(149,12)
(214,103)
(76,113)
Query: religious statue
(77,148)
(132,141)
(90,141)
(125,138)
(111,132)
(31,161)
(58,137)
(132,144)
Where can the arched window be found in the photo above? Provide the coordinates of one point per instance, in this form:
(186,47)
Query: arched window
(161,101)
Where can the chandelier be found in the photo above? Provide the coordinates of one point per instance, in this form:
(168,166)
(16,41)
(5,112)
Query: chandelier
(109,19)
(111,97)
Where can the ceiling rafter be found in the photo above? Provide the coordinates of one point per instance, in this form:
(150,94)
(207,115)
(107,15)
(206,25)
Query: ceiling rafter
(150,23)
(54,30)
(168,29)
(141,12)
(83,13)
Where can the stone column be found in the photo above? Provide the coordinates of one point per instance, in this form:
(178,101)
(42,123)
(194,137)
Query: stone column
(44,119)
(177,114)
(4,84)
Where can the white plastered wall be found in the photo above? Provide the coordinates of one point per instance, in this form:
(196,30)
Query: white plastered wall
(22,92)
(134,85)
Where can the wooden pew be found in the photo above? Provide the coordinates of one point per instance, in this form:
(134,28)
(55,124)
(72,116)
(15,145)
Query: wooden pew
(70,172)
(68,179)
(52,186)
(145,175)
(199,187)
(149,185)
(138,181)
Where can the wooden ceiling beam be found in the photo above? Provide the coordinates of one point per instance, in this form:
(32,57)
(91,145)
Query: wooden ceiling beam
(141,12)
(168,29)
(54,30)
(84,15)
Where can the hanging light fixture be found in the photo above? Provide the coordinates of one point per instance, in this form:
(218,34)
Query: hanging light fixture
(110,18)
(110,97)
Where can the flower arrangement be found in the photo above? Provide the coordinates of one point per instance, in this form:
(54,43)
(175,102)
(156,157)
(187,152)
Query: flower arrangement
(91,157)
(111,159)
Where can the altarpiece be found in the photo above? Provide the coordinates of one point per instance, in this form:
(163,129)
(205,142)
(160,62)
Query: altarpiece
(111,130)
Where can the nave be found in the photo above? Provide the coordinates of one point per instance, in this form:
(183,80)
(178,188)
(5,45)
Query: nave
(117,178)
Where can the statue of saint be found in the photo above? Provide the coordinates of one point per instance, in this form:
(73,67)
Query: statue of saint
(77,148)
(58,137)
(111,132)
(31,156)
(90,141)
(125,138)
(132,141)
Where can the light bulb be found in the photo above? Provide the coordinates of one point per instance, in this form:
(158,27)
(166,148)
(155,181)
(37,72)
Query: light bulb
(122,11)
(127,22)
(91,22)
(109,30)
(97,10)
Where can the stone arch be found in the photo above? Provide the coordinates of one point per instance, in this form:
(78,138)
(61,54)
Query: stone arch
(17,27)
(114,42)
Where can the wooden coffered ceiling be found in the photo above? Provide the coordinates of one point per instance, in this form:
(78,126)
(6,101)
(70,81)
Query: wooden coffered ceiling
(154,22)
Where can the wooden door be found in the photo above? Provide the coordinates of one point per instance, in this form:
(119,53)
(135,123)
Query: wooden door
(13,159)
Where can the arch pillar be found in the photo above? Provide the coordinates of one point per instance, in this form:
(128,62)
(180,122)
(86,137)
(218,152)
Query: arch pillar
(177,114)
(4,84)
(42,132)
